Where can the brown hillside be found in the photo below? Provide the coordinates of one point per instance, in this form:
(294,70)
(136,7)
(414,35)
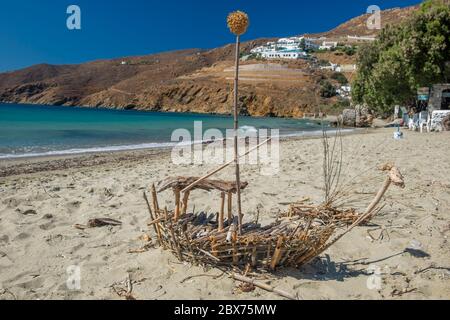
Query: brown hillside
(187,80)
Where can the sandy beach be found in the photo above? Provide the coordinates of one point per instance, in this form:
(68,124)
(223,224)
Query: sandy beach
(42,199)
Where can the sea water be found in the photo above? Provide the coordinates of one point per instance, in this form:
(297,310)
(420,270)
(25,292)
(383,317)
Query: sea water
(38,130)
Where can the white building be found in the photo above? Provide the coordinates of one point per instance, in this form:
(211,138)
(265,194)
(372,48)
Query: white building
(332,67)
(344,91)
(348,67)
(285,48)
(287,54)
(357,38)
(328,45)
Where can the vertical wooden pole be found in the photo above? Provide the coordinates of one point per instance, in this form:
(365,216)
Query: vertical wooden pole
(236,127)
(222,209)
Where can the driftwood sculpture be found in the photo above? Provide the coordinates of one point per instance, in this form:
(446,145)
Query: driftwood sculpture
(297,237)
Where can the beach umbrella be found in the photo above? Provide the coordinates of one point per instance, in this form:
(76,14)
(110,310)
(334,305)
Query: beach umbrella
(237,23)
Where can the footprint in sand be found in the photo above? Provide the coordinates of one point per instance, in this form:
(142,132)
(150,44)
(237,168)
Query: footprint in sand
(34,283)
(4,239)
(12,202)
(5,261)
(47,226)
(73,206)
(21,236)
(54,239)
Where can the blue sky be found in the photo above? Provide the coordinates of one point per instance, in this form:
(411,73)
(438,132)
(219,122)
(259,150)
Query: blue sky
(35,31)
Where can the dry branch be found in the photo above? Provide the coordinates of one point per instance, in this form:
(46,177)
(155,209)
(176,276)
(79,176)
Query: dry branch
(264,286)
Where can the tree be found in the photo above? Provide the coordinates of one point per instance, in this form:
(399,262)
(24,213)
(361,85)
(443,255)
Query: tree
(404,58)
(302,45)
(327,90)
(340,77)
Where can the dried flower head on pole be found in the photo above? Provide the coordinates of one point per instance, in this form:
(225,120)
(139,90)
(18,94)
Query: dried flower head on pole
(238,24)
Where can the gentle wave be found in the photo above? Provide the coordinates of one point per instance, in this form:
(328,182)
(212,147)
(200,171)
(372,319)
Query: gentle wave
(90,150)
(153,145)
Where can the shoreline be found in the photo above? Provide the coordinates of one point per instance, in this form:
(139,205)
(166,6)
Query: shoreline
(43,163)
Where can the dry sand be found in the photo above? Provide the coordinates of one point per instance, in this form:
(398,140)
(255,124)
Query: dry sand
(38,210)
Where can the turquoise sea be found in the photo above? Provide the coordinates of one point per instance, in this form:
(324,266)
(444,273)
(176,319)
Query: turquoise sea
(37,130)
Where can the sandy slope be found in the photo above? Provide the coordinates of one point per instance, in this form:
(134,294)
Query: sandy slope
(36,249)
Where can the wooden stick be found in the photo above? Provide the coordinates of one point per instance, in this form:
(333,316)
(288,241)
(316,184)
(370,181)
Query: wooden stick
(236,134)
(379,195)
(155,201)
(235,252)
(193,184)
(185,201)
(254,256)
(230,207)
(154,222)
(157,231)
(177,204)
(264,286)
(174,238)
(213,246)
(188,241)
(209,255)
(269,246)
(231,230)
(221,212)
(277,254)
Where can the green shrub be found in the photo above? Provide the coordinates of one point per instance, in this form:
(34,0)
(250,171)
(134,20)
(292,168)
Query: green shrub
(340,77)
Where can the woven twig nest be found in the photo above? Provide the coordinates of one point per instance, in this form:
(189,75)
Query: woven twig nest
(238,22)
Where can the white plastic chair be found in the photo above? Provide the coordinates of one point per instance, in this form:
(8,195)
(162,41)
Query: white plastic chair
(424,121)
(413,123)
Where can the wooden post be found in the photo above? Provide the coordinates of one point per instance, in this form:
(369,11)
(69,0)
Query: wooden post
(222,209)
(230,208)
